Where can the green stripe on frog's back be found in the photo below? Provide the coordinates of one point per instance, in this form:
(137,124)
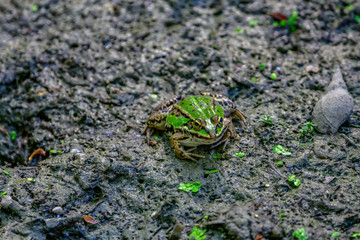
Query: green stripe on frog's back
(200,107)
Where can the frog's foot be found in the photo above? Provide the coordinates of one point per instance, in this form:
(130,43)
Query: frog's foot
(148,131)
(239,115)
(179,151)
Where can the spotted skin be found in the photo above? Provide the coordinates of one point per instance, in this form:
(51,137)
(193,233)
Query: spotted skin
(204,119)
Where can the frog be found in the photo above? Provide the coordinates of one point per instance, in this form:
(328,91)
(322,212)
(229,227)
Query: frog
(194,120)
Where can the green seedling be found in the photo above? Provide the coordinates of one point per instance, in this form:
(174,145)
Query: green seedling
(266,119)
(31,179)
(206,217)
(197,234)
(34,8)
(53,151)
(3,193)
(253,22)
(7,173)
(255,80)
(282,215)
(290,22)
(356,235)
(281,150)
(335,235)
(240,30)
(357,18)
(349,8)
(279,163)
(306,129)
(187,187)
(273,76)
(300,234)
(155,137)
(218,155)
(262,65)
(13,135)
(239,154)
(293,180)
(154,96)
(211,171)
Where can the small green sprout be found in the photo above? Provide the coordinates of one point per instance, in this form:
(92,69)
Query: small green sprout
(211,171)
(253,22)
(53,151)
(300,234)
(197,234)
(187,187)
(13,135)
(293,180)
(34,8)
(335,235)
(273,76)
(240,30)
(290,22)
(31,179)
(48,188)
(349,8)
(266,119)
(71,197)
(206,217)
(262,65)
(3,193)
(215,47)
(154,96)
(255,80)
(355,235)
(357,18)
(239,154)
(307,128)
(155,137)
(279,163)
(281,150)
(282,215)
(7,173)
(216,156)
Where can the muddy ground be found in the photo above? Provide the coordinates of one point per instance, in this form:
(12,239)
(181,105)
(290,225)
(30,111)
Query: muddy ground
(81,77)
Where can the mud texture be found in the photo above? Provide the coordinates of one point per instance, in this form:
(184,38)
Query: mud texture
(80,77)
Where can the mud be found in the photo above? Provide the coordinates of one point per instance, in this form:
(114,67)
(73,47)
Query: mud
(81,77)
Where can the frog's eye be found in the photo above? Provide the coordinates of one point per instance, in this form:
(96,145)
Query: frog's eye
(197,124)
(216,119)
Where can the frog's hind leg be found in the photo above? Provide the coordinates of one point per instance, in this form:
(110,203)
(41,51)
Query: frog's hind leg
(181,153)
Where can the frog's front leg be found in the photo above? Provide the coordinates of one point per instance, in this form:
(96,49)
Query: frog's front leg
(181,153)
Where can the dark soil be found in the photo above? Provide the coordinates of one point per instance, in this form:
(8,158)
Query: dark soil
(81,77)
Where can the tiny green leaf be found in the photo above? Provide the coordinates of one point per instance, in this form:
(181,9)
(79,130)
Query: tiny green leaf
(31,179)
(262,65)
(6,172)
(239,154)
(13,135)
(216,156)
(253,22)
(240,30)
(281,150)
(3,193)
(187,187)
(335,235)
(155,137)
(154,96)
(197,234)
(355,235)
(34,8)
(300,234)
(211,171)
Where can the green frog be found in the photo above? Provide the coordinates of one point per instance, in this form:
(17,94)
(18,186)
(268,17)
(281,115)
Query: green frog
(194,120)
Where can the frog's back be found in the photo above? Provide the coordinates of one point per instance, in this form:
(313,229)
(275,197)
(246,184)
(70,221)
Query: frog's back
(200,107)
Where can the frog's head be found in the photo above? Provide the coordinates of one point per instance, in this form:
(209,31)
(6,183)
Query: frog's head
(209,128)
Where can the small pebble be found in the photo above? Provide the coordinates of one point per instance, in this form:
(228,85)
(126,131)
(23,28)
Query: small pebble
(57,210)
(312,69)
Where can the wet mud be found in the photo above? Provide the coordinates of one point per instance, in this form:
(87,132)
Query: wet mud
(79,79)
